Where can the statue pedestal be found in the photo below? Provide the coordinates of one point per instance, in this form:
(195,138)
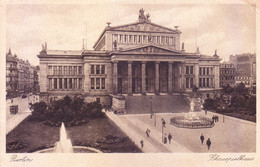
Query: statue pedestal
(197,102)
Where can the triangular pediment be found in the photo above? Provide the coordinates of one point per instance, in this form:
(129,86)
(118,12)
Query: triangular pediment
(144,27)
(150,49)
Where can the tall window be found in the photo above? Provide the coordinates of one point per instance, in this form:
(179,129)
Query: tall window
(187,82)
(80,83)
(65,83)
(187,70)
(50,83)
(70,70)
(55,83)
(60,70)
(191,82)
(207,71)
(167,40)
(70,83)
(135,38)
(203,71)
(55,70)
(102,69)
(75,70)
(60,83)
(144,39)
(75,83)
(200,71)
(92,70)
(162,40)
(65,70)
(103,83)
(120,38)
(139,38)
(158,39)
(191,69)
(97,83)
(126,39)
(80,70)
(204,83)
(97,69)
(207,82)
(92,82)
(130,38)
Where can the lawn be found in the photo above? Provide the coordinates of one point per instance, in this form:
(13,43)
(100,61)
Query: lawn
(96,133)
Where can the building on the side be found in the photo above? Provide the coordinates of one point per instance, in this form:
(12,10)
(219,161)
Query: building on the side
(245,70)
(11,75)
(227,74)
(141,58)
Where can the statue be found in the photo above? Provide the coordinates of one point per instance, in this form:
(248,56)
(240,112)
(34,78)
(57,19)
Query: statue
(147,16)
(141,14)
(182,46)
(192,104)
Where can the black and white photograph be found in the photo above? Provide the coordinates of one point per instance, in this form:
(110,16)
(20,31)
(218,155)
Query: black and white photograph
(137,78)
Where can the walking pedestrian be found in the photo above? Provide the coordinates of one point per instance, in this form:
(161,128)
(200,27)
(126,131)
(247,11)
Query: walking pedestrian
(142,143)
(165,139)
(201,138)
(208,143)
(163,123)
(147,132)
(213,118)
(169,138)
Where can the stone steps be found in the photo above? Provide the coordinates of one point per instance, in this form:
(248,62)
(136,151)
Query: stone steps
(160,104)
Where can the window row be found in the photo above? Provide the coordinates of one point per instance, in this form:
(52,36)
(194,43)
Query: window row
(189,70)
(227,72)
(227,78)
(164,40)
(65,83)
(242,77)
(65,70)
(97,69)
(205,82)
(189,83)
(205,71)
(98,83)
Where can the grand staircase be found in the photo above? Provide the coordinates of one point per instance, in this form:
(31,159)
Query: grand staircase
(160,104)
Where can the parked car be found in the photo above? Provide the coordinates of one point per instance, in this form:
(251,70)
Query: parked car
(14,109)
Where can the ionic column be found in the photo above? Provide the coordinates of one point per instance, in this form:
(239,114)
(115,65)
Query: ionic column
(129,77)
(52,87)
(62,83)
(157,76)
(196,73)
(143,77)
(170,77)
(115,76)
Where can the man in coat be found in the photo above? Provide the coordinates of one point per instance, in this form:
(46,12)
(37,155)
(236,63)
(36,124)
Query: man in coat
(201,138)
(169,138)
(208,143)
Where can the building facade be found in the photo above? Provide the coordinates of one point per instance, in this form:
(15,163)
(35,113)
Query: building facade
(141,58)
(245,67)
(11,75)
(227,74)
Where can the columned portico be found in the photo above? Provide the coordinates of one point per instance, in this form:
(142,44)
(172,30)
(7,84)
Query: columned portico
(129,77)
(157,76)
(170,77)
(115,76)
(143,77)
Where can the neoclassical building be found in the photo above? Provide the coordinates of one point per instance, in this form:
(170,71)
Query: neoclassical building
(131,60)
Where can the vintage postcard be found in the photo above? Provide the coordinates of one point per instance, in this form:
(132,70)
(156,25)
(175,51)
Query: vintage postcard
(120,83)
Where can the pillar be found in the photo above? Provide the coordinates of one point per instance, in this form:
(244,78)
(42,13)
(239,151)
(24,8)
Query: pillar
(143,77)
(115,76)
(129,77)
(196,73)
(157,76)
(170,77)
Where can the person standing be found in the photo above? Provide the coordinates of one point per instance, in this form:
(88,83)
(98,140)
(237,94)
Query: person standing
(169,138)
(208,143)
(201,138)
(147,132)
(142,143)
(165,139)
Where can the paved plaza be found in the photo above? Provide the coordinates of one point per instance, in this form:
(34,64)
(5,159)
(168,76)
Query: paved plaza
(232,135)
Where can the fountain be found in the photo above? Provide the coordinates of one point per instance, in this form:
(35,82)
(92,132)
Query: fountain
(191,120)
(64,145)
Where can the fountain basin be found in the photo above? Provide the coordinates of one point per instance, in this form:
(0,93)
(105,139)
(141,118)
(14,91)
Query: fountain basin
(76,149)
(195,123)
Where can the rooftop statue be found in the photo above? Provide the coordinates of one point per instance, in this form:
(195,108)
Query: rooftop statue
(142,16)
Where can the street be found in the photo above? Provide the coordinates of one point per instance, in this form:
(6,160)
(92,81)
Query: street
(12,120)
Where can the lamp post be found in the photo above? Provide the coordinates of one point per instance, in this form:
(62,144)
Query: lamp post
(151,103)
(163,126)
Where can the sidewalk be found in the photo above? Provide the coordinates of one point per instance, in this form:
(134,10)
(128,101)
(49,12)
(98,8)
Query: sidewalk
(16,120)
(135,129)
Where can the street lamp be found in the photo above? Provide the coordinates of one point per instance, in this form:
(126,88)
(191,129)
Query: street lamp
(151,103)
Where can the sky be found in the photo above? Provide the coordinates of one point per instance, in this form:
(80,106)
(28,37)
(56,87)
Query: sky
(231,29)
